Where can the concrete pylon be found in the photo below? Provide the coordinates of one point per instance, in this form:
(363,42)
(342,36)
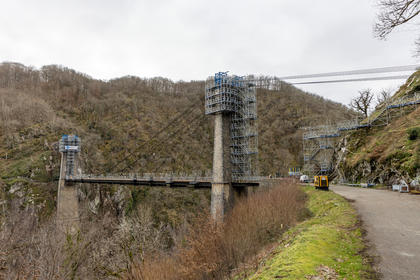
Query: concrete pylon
(222,195)
(68,220)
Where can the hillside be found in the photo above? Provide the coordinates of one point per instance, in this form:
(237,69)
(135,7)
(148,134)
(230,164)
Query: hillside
(119,122)
(115,117)
(127,124)
(386,154)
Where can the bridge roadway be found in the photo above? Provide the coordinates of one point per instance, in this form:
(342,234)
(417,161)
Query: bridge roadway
(168,181)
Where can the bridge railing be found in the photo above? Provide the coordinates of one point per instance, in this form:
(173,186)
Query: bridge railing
(407,100)
(326,130)
(142,177)
(168,177)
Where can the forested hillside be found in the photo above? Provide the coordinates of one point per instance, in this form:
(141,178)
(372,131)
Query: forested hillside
(127,125)
(121,117)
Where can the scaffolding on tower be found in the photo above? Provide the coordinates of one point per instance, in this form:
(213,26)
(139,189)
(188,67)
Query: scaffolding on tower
(237,96)
(70,145)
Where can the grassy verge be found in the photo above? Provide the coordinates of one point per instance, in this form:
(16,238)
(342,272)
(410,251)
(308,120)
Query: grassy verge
(329,244)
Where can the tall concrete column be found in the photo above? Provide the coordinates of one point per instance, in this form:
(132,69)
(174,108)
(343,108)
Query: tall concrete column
(222,195)
(67,203)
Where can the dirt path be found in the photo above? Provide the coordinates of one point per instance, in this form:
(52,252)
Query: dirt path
(392,221)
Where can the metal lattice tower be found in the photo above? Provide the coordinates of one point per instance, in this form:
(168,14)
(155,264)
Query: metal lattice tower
(236,95)
(70,147)
(318,147)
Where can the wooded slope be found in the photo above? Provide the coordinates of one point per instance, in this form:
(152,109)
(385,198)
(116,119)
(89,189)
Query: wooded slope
(120,120)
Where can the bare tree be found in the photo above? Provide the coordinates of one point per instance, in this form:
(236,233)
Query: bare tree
(362,102)
(394,13)
(383,97)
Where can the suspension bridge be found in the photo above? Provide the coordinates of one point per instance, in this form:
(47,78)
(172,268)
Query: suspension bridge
(231,100)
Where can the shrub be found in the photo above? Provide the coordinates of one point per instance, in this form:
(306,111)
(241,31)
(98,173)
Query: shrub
(213,251)
(414,133)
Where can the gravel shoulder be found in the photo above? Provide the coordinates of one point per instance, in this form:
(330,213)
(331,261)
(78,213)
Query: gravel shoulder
(392,222)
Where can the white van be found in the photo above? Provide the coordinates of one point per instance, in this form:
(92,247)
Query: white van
(304,179)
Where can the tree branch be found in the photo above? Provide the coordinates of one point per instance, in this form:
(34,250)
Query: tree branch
(395,13)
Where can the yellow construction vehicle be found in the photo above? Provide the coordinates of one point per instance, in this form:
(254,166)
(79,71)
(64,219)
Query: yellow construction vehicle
(321,182)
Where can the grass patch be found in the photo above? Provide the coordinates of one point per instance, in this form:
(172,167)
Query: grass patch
(329,242)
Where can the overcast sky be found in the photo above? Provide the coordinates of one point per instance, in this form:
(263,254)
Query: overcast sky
(190,40)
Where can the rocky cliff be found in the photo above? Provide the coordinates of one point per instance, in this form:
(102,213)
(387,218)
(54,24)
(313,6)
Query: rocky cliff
(385,154)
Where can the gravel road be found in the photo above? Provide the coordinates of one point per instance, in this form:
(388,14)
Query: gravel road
(392,222)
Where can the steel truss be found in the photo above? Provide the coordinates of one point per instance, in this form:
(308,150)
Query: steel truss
(319,141)
(70,146)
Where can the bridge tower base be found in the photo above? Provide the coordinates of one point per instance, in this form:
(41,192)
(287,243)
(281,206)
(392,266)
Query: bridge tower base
(67,203)
(68,220)
(222,192)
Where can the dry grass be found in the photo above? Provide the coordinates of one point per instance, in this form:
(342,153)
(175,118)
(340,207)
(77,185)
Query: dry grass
(213,251)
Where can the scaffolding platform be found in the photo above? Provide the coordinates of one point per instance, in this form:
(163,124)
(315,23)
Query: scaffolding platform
(69,146)
(318,159)
(236,95)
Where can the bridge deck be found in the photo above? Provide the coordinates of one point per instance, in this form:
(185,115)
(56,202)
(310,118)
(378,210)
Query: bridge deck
(196,182)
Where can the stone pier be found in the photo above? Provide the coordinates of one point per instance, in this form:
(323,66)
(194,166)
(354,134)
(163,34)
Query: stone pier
(222,194)
(67,220)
